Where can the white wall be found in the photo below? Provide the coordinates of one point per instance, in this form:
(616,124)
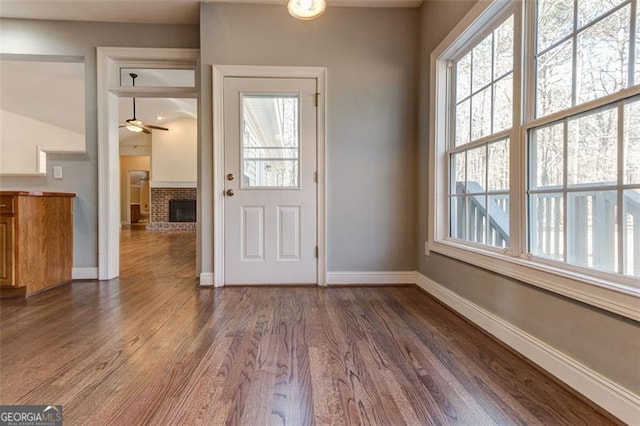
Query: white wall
(174,154)
(22,138)
(42,108)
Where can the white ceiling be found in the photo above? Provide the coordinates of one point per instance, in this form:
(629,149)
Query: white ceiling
(149,109)
(145,11)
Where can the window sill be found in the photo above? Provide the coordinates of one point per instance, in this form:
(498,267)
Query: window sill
(614,297)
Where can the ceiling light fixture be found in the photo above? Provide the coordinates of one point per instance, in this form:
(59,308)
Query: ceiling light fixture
(306,9)
(133,124)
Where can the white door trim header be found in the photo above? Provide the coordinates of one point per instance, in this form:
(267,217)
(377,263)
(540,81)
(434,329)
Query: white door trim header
(219,72)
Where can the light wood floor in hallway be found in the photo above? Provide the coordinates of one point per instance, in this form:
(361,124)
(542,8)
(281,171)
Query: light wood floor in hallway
(152,348)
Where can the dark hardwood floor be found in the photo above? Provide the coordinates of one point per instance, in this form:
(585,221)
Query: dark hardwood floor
(152,348)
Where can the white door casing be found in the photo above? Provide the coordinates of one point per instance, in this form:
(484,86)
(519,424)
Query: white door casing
(109,61)
(219,73)
(270,132)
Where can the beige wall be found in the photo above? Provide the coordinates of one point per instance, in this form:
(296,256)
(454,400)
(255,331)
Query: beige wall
(128,163)
(174,153)
(41,109)
(606,343)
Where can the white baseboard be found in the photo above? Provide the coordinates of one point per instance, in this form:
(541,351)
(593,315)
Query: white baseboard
(381,278)
(84,274)
(207,279)
(619,401)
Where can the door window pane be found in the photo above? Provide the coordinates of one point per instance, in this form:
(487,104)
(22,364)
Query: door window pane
(270,141)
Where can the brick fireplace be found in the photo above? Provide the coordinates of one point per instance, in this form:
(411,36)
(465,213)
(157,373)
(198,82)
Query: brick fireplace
(159,216)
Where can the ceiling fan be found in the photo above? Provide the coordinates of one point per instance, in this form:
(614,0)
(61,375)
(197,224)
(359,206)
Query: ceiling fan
(135,125)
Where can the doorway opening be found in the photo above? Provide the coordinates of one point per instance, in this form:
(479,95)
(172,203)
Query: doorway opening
(158,185)
(162,77)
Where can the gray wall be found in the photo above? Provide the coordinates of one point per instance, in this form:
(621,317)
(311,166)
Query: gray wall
(607,343)
(371,56)
(81,39)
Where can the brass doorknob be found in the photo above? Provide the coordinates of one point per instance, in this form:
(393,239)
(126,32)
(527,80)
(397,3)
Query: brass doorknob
(230,192)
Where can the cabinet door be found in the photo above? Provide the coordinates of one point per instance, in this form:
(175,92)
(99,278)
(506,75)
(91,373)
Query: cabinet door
(6,251)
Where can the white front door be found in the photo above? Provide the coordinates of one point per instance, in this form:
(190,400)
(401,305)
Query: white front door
(270,137)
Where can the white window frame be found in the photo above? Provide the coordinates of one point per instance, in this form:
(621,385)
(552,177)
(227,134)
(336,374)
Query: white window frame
(615,293)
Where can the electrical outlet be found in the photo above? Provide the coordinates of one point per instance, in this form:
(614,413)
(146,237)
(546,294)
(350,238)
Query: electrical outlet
(57,172)
(426,248)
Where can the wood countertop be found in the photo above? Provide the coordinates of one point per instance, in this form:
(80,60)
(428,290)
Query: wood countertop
(38,194)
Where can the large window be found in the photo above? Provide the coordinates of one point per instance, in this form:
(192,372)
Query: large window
(479,148)
(536,141)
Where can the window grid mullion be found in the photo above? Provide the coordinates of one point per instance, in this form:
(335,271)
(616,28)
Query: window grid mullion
(620,194)
(565,196)
(555,190)
(465,202)
(574,55)
(486,86)
(492,82)
(471,62)
(486,196)
(517,141)
(484,140)
(632,43)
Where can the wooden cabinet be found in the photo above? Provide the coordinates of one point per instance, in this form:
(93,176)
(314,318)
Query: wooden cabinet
(135,213)
(36,241)
(6,251)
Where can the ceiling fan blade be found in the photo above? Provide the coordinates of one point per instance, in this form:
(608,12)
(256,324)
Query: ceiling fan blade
(155,127)
(145,130)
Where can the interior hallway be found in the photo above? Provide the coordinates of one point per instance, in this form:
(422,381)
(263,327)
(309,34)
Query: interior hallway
(151,347)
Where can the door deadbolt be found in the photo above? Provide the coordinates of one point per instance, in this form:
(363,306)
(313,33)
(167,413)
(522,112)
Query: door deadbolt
(230,192)
(230,176)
